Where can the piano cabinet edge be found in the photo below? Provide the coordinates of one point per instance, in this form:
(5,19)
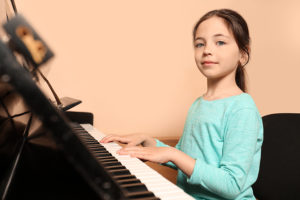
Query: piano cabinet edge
(80,117)
(167,172)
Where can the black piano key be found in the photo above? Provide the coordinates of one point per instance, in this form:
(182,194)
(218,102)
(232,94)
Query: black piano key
(105,154)
(123,177)
(100,151)
(90,142)
(106,159)
(97,148)
(115,167)
(104,163)
(135,187)
(146,198)
(119,172)
(128,181)
(111,163)
(94,146)
(139,195)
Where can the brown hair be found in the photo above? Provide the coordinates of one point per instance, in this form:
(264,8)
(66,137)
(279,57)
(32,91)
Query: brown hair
(239,28)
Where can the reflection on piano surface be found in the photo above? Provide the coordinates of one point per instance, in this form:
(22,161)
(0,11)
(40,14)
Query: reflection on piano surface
(45,156)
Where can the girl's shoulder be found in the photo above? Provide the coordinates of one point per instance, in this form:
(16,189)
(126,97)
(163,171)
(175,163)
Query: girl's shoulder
(243,103)
(243,100)
(231,103)
(228,105)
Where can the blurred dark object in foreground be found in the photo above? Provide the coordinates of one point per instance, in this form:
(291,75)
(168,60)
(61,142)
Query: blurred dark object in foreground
(42,156)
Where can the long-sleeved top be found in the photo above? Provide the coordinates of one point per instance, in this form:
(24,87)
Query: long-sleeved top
(224,136)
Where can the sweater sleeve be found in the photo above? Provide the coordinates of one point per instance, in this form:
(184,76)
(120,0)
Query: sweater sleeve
(161,144)
(240,139)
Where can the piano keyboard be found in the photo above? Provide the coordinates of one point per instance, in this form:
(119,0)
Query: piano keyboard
(161,187)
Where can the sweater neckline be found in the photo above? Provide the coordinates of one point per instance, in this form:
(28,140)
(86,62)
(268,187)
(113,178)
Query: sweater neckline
(225,98)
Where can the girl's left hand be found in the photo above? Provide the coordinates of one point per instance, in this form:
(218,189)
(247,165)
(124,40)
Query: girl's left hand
(153,154)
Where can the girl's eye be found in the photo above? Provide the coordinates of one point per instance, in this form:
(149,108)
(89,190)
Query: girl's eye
(199,45)
(220,43)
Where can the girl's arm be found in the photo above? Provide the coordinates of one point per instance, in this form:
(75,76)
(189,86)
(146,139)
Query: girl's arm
(161,154)
(239,163)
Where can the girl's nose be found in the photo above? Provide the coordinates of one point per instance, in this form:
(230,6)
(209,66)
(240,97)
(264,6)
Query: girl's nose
(207,50)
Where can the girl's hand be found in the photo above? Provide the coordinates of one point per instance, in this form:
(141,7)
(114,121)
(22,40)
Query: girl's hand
(153,154)
(162,155)
(130,140)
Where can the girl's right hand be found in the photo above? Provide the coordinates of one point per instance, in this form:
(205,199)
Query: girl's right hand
(131,140)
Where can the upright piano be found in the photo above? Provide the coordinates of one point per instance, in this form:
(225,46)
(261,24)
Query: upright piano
(46,155)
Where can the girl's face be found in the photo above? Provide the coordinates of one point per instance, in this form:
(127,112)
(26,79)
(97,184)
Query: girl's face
(216,52)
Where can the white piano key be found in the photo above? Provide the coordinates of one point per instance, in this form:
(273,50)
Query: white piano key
(160,186)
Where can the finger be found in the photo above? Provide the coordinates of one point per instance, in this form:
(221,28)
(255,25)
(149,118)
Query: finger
(132,144)
(133,148)
(138,152)
(128,150)
(114,138)
(106,138)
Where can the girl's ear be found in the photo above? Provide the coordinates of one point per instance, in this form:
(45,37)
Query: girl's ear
(245,57)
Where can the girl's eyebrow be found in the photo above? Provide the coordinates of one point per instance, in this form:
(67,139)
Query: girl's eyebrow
(199,38)
(220,34)
(215,35)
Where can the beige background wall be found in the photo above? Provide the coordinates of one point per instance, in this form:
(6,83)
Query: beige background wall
(131,62)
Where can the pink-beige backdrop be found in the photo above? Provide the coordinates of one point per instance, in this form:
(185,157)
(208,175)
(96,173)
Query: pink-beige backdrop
(131,62)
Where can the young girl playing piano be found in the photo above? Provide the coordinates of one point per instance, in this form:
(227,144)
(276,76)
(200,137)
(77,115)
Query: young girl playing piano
(218,155)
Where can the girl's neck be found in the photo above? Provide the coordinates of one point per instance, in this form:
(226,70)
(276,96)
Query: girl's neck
(219,89)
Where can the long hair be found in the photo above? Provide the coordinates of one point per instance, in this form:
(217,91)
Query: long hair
(239,28)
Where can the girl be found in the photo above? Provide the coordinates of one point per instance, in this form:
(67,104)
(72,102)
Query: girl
(218,155)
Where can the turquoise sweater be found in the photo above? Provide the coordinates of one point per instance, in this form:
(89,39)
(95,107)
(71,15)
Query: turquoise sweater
(225,137)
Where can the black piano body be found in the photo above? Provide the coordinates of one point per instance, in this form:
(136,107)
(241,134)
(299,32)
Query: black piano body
(42,172)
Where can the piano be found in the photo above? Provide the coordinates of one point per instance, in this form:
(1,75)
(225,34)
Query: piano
(45,155)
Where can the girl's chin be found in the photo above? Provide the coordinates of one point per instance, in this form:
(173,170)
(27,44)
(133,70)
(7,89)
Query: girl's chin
(210,75)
